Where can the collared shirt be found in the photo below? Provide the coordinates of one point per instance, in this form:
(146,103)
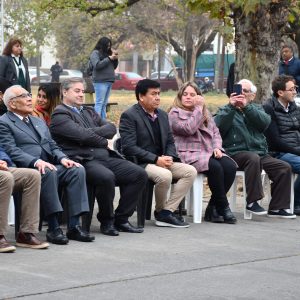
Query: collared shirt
(286,109)
(17,67)
(19,116)
(152,118)
(74,108)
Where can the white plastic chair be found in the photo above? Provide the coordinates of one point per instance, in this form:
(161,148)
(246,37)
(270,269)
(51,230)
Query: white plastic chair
(11,212)
(194,199)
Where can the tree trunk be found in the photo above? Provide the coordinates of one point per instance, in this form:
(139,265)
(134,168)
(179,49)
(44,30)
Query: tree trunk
(257,40)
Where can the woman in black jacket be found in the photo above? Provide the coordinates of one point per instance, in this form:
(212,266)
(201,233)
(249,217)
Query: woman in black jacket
(13,65)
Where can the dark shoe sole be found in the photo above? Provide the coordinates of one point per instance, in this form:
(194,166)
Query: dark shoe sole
(165,224)
(58,241)
(110,233)
(230,221)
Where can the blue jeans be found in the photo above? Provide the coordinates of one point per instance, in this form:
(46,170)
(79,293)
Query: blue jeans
(294,161)
(102,90)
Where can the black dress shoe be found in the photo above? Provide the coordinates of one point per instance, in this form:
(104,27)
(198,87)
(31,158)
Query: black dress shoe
(109,229)
(297,210)
(56,236)
(211,215)
(78,234)
(127,227)
(227,214)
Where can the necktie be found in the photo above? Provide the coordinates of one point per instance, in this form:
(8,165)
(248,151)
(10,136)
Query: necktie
(26,120)
(21,78)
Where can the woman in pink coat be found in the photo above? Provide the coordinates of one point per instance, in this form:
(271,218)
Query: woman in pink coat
(198,143)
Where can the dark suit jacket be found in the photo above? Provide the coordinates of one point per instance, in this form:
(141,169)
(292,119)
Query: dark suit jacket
(81,138)
(22,145)
(9,72)
(138,138)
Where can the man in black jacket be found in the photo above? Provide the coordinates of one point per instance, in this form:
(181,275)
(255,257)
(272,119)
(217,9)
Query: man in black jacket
(83,135)
(283,134)
(146,134)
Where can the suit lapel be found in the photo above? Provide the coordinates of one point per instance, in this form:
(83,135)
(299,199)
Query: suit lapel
(22,126)
(145,120)
(163,135)
(11,61)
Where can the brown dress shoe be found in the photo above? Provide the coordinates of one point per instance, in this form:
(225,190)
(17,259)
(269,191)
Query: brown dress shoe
(5,246)
(29,240)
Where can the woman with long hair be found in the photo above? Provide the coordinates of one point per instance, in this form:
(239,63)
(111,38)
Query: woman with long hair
(48,98)
(199,144)
(104,61)
(13,65)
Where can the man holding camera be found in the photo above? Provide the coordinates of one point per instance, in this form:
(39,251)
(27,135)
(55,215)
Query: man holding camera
(242,125)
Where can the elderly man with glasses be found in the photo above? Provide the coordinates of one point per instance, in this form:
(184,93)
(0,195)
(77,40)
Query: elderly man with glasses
(26,139)
(242,124)
(283,134)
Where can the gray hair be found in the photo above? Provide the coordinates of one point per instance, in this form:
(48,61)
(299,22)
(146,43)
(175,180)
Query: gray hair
(67,83)
(9,94)
(253,88)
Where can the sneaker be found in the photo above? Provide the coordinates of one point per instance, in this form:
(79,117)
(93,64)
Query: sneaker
(170,221)
(5,246)
(29,240)
(256,209)
(281,214)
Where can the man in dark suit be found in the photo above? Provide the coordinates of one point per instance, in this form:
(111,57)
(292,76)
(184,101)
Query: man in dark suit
(27,141)
(146,134)
(83,135)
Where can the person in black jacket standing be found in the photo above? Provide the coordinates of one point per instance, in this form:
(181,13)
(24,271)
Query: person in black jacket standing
(104,61)
(13,65)
(283,134)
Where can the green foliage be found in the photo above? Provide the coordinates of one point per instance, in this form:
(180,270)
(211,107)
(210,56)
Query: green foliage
(25,20)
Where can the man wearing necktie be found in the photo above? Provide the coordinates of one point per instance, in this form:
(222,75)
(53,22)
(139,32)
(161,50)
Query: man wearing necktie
(27,140)
(82,135)
(13,65)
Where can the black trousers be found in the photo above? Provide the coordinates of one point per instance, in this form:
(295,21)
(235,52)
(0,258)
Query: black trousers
(109,172)
(220,176)
(278,171)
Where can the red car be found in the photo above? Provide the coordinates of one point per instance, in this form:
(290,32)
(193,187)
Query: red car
(126,81)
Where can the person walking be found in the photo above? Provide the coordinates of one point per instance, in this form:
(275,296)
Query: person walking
(104,61)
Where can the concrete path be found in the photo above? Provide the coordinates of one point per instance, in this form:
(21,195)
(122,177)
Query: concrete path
(254,259)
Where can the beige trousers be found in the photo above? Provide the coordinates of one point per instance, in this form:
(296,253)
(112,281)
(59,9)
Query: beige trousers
(185,174)
(28,182)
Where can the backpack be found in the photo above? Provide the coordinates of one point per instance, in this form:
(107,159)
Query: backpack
(89,69)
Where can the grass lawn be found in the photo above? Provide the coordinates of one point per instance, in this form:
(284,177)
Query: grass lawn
(127,98)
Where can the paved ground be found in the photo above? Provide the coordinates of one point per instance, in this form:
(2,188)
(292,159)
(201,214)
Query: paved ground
(258,259)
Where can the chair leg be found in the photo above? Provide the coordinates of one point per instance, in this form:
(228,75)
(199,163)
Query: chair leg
(17,203)
(197,199)
(86,219)
(144,205)
(247,214)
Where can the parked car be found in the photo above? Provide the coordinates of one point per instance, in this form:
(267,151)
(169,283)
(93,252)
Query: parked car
(33,76)
(163,74)
(126,81)
(66,74)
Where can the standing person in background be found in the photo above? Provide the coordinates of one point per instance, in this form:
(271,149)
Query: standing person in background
(56,70)
(198,143)
(13,65)
(48,98)
(104,61)
(289,64)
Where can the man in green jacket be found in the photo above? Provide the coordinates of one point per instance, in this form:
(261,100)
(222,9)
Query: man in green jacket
(242,124)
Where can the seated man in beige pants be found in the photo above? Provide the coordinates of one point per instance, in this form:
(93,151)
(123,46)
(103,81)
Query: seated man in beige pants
(28,182)
(145,134)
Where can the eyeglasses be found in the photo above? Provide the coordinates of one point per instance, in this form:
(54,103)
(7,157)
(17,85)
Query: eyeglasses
(24,95)
(293,89)
(246,91)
